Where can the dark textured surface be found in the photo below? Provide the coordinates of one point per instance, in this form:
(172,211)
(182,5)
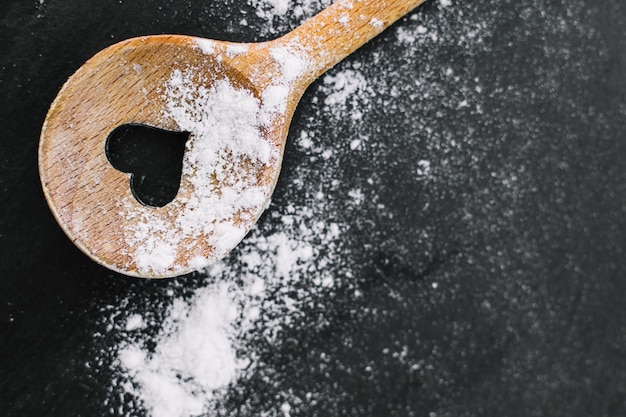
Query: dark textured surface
(501,273)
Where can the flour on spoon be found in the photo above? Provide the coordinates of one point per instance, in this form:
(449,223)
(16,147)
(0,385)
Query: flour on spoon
(223,160)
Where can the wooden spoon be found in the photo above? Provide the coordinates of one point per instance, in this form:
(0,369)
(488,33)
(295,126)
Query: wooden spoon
(235,99)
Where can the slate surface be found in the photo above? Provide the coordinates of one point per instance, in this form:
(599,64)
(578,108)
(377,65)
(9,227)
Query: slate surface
(503,272)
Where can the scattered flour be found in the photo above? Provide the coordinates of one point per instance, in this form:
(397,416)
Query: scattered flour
(377,23)
(279,6)
(421,130)
(206,45)
(281,10)
(186,365)
(423,168)
(232,51)
(135,322)
(195,358)
(347,92)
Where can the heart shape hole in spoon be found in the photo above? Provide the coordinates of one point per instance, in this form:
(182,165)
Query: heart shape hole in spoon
(153,157)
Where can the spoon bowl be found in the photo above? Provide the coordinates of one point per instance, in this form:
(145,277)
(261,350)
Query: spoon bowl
(236,101)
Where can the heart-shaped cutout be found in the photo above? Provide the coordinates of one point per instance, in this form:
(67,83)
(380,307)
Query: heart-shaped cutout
(153,157)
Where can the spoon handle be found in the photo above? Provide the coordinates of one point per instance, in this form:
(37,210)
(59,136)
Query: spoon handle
(342,28)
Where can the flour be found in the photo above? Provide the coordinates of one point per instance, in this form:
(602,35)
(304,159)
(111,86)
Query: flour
(232,51)
(227,139)
(214,338)
(347,92)
(206,45)
(377,23)
(280,10)
(195,358)
(134,322)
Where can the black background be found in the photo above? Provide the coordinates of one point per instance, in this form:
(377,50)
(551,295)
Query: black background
(512,301)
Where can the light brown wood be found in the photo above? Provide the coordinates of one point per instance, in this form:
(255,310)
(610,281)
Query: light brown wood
(122,84)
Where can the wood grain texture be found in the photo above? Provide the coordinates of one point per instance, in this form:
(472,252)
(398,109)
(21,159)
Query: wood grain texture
(124,84)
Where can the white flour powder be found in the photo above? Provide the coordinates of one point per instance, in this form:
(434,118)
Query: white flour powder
(227,139)
(202,348)
(270,10)
(195,358)
(396,160)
